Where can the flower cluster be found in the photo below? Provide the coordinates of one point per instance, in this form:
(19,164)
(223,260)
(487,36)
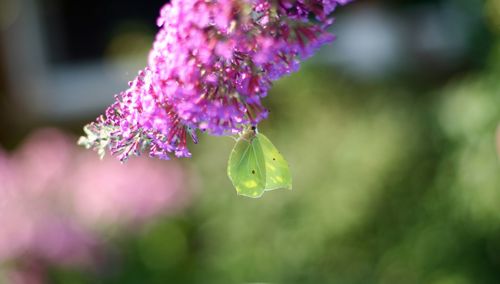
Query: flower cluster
(210,66)
(56,199)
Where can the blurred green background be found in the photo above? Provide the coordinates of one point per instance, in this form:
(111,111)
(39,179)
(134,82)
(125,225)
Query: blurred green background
(396,175)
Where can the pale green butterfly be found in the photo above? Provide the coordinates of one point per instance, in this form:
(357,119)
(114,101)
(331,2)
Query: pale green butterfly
(256,166)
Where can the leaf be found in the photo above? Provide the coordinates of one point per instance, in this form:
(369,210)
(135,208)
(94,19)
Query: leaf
(256,166)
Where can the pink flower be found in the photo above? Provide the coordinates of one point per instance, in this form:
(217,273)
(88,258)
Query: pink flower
(210,66)
(56,198)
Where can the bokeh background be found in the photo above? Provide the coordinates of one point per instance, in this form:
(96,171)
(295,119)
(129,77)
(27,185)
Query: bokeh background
(389,132)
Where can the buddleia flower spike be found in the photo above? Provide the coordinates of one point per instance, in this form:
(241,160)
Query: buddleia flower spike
(212,63)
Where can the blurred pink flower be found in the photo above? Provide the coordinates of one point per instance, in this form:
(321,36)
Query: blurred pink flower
(55,197)
(107,194)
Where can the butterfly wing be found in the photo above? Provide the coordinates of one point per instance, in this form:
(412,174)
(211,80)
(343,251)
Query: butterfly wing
(277,170)
(246,168)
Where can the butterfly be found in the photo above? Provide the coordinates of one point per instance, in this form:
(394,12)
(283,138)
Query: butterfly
(256,166)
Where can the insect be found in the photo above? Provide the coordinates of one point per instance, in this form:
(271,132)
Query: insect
(256,166)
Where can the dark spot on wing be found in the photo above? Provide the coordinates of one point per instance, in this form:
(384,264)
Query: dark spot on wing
(274,159)
(253,171)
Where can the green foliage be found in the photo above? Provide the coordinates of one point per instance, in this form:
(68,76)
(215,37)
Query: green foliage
(392,185)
